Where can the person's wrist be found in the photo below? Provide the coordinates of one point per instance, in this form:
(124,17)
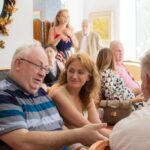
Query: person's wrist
(77,134)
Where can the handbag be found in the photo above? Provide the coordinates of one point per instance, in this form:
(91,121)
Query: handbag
(115,110)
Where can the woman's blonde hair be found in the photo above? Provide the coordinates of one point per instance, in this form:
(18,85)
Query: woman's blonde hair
(56,23)
(91,88)
(105,59)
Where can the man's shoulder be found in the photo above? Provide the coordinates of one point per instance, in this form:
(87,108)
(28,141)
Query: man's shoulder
(4,84)
(134,127)
(42,92)
(95,34)
(78,33)
(134,118)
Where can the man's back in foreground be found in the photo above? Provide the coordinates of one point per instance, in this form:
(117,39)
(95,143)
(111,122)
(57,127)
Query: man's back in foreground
(132,133)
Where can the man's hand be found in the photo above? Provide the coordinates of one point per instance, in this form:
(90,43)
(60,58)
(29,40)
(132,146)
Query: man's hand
(90,133)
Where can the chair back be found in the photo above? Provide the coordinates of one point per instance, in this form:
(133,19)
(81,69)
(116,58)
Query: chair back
(37,30)
(41,31)
(134,68)
(100,145)
(46,28)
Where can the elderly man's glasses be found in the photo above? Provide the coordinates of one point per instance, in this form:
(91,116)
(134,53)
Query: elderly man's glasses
(38,67)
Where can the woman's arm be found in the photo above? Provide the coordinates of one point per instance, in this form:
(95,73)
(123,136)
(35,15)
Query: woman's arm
(51,39)
(67,110)
(75,41)
(72,115)
(93,115)
(70,33)
(139,98)
(60,65)
(137,91)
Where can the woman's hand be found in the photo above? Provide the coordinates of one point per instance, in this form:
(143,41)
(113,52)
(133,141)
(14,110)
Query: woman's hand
(137,91)
(65,38)
(68,32)
(138,98)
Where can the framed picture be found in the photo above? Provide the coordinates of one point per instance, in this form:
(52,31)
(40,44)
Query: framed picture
(102,22)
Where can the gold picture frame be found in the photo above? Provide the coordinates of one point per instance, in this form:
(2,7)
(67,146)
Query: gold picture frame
(102,22)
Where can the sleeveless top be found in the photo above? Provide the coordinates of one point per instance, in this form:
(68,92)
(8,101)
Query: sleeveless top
(63,46)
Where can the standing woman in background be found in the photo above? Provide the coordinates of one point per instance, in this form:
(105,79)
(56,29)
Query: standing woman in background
(62,36)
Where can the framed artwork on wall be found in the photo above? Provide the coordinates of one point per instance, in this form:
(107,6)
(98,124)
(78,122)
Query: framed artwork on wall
(102,22)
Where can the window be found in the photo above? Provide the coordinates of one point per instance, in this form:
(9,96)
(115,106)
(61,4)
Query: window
(142,26)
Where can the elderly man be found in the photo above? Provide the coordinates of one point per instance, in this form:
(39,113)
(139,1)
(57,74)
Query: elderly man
(89,41)
(132,133)
(130,83)
(26,111)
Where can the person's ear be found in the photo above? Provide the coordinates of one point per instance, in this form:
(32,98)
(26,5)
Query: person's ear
(17,64)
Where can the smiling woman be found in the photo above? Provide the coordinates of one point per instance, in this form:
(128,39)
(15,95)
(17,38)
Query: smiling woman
(7,8)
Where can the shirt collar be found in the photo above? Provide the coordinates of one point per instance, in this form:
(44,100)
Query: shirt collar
(17,86)
(85,34)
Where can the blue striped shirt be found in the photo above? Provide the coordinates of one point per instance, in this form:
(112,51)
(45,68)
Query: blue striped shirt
(22,110)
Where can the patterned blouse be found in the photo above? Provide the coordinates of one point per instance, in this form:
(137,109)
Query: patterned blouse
(112,86)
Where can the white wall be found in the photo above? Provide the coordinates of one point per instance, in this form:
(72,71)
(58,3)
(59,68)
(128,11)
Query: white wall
(124,21)
(128,28)
(76,12)
(20,31)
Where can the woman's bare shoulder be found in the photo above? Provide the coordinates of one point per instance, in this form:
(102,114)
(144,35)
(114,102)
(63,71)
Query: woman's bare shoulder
(59,90)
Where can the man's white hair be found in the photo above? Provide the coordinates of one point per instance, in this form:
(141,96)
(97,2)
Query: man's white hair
(88,22)
(24,50)
(116,43)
